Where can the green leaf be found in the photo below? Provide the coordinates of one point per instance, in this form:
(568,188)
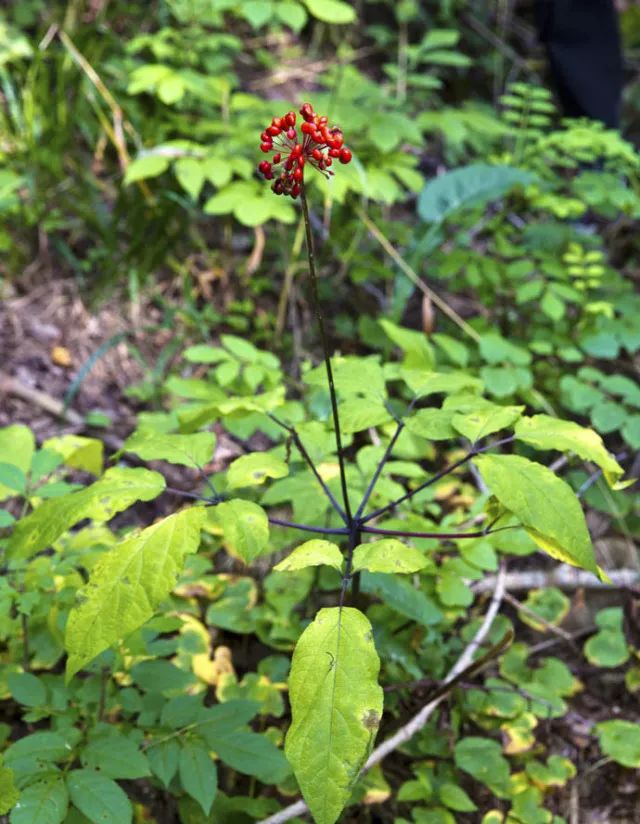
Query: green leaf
(98,797)
(545,432)
(550,603)
(452,590)
(433,424)
(608,416)
(198,774)
(388,555)
(252,754)
(482,422)
(257,12)
(608,647)
(194,451)
(78,452)
(13,479)
(116,490)
(482,758)
(336,707)
(357,414)
(127,585)
(9,793)
(400,595)
(191,175)
(255,468)
(545,504)
(43,802)
(27,689)
(46,747)
(292,14)
(469,186)
(245,527)
(17,446)
(163,760)
(312,553)
(331,11)
(455,798)
(115,756)
(161,676)
(620,740)
(144,167)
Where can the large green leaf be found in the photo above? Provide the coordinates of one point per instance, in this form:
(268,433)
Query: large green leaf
(482,422)
(99,797)
(388,555)
(312,553)
(127,585)
(331,11)
(545,432)
(544,503)
(336,706)
(620,740)
(116,490)
(252,754)
(245,527)
(43,802)
(468,186)
(186,450)
(17,446)
(198,774)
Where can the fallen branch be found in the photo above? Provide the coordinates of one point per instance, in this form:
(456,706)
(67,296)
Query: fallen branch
(419,720)
(10,386)
(563,577)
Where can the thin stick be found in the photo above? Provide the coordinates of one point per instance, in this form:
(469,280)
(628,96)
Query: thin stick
(325,346)
(303,451)
(415,278)
(445,536)
(379,468)
(321,530)
(447,469)
(419,720)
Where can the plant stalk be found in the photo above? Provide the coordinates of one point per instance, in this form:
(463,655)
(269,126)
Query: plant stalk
(325,348)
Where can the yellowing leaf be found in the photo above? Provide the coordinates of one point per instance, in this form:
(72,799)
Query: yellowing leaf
(194,451)
(388,555)
(544,503)
(128,584)
(312,553)
(545,432)
(255,468)
(336,705)
(78,452)
(116,490)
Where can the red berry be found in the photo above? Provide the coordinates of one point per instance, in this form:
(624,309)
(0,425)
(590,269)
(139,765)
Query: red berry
(297,174)
(332,153)
(307,128)
(277,158)
(345,155)
(328,161)
(266,147)
(291,134)
(316,154)
(274,131)
(295,190)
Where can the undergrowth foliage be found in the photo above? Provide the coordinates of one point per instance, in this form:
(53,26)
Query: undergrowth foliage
(383,550)
(275,575)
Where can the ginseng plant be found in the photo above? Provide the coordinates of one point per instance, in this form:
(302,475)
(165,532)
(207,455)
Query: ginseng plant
(336,701)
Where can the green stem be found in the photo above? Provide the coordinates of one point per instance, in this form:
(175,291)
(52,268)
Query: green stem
(325,348)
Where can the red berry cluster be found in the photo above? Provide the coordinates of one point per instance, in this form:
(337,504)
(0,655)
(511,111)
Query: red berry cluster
(318,145)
